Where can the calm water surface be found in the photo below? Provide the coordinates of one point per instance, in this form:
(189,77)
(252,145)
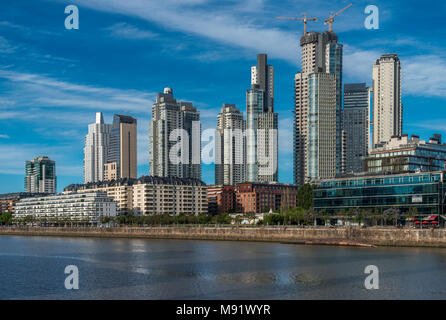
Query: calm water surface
(33,268)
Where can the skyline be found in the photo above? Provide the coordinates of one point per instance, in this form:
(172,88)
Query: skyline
(82,73)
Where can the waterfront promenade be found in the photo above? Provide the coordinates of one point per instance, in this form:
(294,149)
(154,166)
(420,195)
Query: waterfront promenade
(299,235)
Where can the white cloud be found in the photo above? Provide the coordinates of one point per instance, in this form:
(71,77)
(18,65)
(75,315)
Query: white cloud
(6,47)
(127,31)
(424,76)
(219,25)
(4,136)
(41,91)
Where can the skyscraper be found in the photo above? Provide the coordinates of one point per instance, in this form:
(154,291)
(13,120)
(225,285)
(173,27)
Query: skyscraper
(96,149)
(321,141)
(122,151)
(230,146)
(175,138)
(387,106)
(321,71)
(40,175)
(261,125)
(356,124)
(263,75)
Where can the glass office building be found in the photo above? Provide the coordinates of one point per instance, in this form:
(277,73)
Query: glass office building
(404,154)
(424,191)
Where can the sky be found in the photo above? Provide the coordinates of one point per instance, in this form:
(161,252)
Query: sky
(54,80)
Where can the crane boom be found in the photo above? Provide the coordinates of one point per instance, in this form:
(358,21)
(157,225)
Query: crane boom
(304,20)
(331,18)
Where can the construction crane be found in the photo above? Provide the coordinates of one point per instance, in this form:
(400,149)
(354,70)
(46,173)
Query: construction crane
(331,19)
(304,19)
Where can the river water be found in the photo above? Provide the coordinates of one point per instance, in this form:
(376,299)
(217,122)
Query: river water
(33,268)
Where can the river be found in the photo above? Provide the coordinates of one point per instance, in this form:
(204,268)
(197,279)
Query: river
(33,268)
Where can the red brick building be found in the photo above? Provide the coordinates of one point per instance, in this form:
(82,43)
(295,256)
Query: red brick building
(221,199)
(8,200)
(259,197)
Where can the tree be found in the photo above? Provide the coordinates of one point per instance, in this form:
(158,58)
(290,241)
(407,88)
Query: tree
(6,218)
(411,213)
(273,219)
(392,214)
(305,196)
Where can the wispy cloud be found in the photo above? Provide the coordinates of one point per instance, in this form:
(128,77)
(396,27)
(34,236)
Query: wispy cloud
(6,46)
(194,17)
(123,30)
(4,136)
(37,90)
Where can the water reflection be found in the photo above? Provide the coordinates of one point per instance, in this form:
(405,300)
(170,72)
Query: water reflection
(32,268)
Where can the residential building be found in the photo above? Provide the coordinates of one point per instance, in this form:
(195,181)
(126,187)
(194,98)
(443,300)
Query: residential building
(75,207)
(122,151)
(423,191)
(261,125)
(221,199)
(175,138)
(119,189)
(230,146)
(263,197)
(8,200)
(321,139)
(387,106)
(321,69)
(96,149)
(152,195)
(40,175)
(356,124)
(404,154)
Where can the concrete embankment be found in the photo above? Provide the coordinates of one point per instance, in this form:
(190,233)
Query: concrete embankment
(309,235)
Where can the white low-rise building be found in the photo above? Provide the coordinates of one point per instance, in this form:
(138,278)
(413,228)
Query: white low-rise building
(85,207)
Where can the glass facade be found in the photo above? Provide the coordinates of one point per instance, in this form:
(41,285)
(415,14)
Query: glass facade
(423,191)
(254,107)
(421,157)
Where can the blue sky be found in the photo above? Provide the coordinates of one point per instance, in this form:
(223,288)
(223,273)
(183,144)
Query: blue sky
(53,80)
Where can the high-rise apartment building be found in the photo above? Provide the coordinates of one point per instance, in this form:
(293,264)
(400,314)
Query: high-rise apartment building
(321,139)
(261,125)
(40,175)
(175,138)
(96,149)
(356,124)
(122,151)
(387,106)
(230,146)
(322,65)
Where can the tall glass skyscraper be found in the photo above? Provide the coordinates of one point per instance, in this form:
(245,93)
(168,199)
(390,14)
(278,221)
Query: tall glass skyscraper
(171,117)
(230,146)
(356,124)
(261,125)
(40,175)
(318,88)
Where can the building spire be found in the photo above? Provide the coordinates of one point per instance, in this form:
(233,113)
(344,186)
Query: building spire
(99,118)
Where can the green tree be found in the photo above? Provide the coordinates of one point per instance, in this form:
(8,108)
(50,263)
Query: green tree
(411,213)
(6,218)
(305,196)
(273,219)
